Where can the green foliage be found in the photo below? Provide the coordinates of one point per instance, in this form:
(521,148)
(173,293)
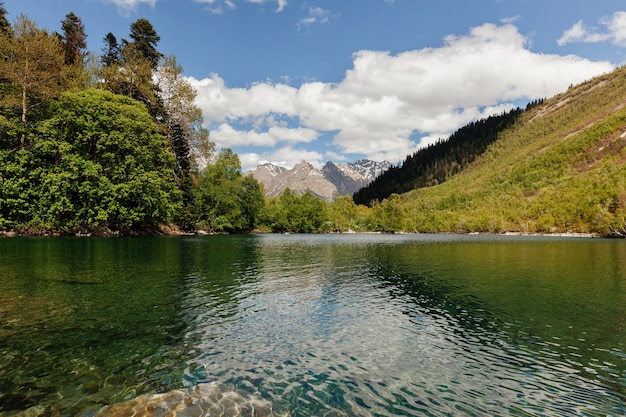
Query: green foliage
(32,64)
(344,215)
(98,162)
(144,41)
(74,39)
(87,159)
(388,216)
(294,213)
(227,200)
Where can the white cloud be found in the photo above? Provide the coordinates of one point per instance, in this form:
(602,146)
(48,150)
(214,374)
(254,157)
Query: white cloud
(617,28)
(226,135)
(316,15)
(615,31)
(220,103)
(217,6)
(386,102)
(335,156)
(286,157)
(126,6)
(512,19)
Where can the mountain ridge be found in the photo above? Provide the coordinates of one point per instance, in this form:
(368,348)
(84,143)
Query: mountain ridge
(326,183)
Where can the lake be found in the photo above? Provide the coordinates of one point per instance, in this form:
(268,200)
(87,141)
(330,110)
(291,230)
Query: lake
(313,325)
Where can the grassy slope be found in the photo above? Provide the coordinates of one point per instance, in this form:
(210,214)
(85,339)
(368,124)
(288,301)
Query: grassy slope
(560,168)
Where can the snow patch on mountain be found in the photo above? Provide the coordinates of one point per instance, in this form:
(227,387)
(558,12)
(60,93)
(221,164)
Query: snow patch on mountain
(331,181)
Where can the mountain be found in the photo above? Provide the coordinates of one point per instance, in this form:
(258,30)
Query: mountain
(560,167)
(326,183)
(442,160)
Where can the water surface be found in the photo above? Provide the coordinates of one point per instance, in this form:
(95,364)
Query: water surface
(353,325)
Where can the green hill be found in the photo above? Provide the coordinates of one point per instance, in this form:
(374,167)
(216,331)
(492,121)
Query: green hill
(561,167)
(439,161)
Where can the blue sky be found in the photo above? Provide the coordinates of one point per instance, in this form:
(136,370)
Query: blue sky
(283,80)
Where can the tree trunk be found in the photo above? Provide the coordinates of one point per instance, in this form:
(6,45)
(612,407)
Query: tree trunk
(23,138)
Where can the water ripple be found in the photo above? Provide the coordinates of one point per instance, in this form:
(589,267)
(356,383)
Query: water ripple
(327,326)
(322,339)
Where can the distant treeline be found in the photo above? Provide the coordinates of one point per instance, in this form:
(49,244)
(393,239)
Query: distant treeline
(439,161)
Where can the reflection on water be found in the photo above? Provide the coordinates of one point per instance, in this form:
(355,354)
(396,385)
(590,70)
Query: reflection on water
(355,325)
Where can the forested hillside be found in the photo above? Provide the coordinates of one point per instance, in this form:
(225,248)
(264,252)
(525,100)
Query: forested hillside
(560,168)
(436,163)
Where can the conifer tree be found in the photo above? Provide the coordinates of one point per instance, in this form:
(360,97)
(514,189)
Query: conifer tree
(111,53)
(144,41)
(5,26)
(74,39)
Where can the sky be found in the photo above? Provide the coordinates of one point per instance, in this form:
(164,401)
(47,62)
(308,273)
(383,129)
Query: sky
(282,81)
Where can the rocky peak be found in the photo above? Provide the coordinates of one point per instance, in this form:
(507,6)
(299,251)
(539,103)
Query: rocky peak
(330,181)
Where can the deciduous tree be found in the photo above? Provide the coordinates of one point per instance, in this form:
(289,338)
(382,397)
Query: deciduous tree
(33,60)
(101,161)
(227,201)
(178,100)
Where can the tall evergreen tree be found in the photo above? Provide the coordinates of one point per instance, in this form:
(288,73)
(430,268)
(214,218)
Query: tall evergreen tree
(128,69)
(144,41)
(111,53)
(74,39)
(5,26)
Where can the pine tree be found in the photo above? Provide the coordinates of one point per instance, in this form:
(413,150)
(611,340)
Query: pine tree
(5,26)
(111,52)
(144,41)
(74,39)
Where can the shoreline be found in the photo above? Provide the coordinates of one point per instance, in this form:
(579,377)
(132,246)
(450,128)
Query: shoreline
(175,231)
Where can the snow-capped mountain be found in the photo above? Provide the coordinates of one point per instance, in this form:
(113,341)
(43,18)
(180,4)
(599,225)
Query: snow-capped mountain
(332,180)
(365,169)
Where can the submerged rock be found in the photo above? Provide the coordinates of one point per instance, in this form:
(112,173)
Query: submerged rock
(204,400)
(36,411)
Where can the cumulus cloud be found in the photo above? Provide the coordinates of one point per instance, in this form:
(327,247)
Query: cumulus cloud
(614,31)
(286,157)
(388,105)
(226,134)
